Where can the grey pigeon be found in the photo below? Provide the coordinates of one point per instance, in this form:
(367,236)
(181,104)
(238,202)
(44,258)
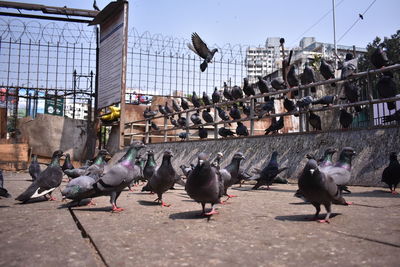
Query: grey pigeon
(278,83)
(183,135)
(195,100)
(195,118)
(235,112)
(174,122)
(387,88)
(308,77)
(206,99)
(224,132)
(34,168)
(327,158)
(47,181)
(247,88)
(327,71)
(275,126)
(167,108)
(3,191)
(267,107)
(304,102)
(150,166)
(181,120)
(268,174)
(175,106)
(292,79)
(325,100)
(246,110)
(186,170)
(229,174)
(227,92)
(184,104)
(162,110)
(289,105)
(154,126)
(204,184)
(148,113)
(262,85)
(351,93)
(207,116)
(97,168)
(111,183)
(163,177)
(379,57)
(391,174)
(319,188)
(216,96)
(345,118)
(236,92)
(315,121)
(201,49)
(222,114)
(203,133)
(67,163)
(217,161)
(241,129)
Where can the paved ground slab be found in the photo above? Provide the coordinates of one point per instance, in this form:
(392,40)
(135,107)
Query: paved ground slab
(258,228)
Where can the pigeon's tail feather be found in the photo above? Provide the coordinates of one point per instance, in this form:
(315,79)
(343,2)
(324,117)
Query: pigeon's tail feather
(391,105)
(4,193)
(203,66)
(25,196)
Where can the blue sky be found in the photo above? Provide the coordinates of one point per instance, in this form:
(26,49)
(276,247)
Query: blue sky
(251,21)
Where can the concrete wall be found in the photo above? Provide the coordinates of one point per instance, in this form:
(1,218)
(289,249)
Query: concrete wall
(47,133)
(372,146)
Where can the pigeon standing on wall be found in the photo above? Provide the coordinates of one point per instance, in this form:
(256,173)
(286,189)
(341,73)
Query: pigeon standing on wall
(47,181)
(319,189)
(308,77)
(201,49)
(224,132)
(391,174)
(327,71)
(34,168)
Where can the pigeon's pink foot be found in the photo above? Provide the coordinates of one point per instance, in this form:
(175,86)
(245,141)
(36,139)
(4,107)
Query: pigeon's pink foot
(131,190)
(51,198)
(230,196)
(394,192)
(323,221)
(212,212)
(163,204)
(91,203)
(116,209)
(349,203)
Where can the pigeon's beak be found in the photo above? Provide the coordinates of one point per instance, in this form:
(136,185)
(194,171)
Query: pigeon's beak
(312,171)
(243,157)
(201,162)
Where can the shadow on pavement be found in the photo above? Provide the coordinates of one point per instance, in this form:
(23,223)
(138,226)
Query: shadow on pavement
(193,214)
(148,203)
(302,217)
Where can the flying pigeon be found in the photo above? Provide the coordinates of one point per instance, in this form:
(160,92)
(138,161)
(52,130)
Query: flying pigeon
(204,184)
(319,188)
(327,71)
(345,118)
(268,174)
(111,183)
(47,181)
(308,77)
(95,7)
(201,49)
(315,121)
(275,125)
(391,174)
(163,177)
(387,88)
(216,96)
(34,168)
(3,191)
(241,129)
(67,163)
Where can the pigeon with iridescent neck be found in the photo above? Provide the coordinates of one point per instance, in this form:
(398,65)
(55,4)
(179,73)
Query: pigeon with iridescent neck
(47,181)
(34,168)
(268,174)
(67,163)
(230,173)
(326,161)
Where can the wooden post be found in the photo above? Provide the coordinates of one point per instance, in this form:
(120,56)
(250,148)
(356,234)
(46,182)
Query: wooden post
(3,123)
(146,130)
(165,127)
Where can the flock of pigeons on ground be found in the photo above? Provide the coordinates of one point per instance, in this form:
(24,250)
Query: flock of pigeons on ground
(386,87)
(321,182)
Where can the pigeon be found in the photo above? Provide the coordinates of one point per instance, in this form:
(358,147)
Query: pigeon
(225,132)
(111,183)
(46,182)
(247,88)
(229,174)
(308,77)
(203,133)
(207,116)
(319,188)
(206,99)
(278,83)
(351,93)
(99,160)
(315,121)
(204,185)
(186,170)
(201,49)
(241,129)
(304,102)
(154,126)
(67,163)
(216,96)
(292,78)
(268,174)
(345,118)
(195,118)
(163,177)
(162,110)
(236,92)
(227,92)
(175,106)
(246,110)
(34,168)
(393,117)
(97,168)
(290,106)
(348,67)
(216,163)
(325,100)
(391,174)
(148,113)
(183,135)
(222,114)
(95,7)
(3,191)
(140,163)
(267,107)
(174,122)
(326,161)
(327,71)
(235,112)
(379,57)
(184,104)
(387,88)
(360,16)
(150,166)
(275,125)
(340,171)
(262,85)
(181,121)
(167,108)
(195,100)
